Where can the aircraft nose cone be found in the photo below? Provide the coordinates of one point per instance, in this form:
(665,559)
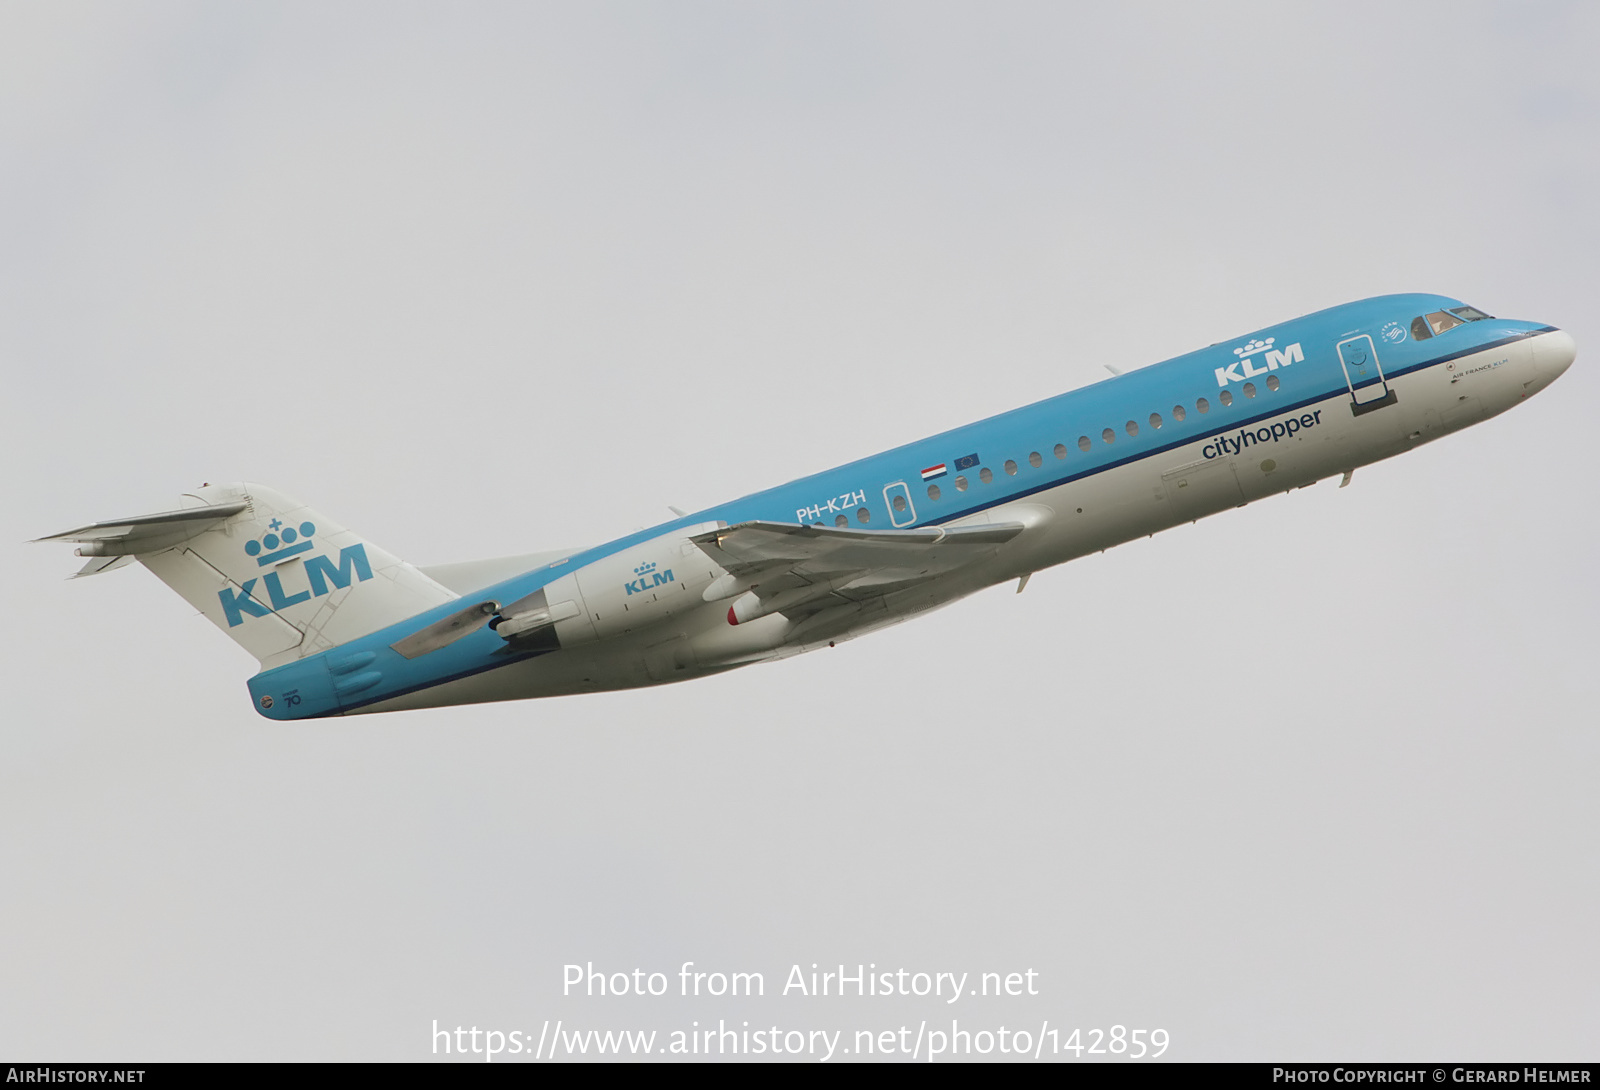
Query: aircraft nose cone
(1554,353)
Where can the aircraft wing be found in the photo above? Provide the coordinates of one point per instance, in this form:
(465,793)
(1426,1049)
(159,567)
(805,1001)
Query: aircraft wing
(797,570)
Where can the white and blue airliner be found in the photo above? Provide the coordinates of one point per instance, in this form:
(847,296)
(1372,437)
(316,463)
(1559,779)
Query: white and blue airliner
(340,626)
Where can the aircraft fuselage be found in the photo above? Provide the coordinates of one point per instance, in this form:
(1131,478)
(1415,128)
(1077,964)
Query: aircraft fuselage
(840,553)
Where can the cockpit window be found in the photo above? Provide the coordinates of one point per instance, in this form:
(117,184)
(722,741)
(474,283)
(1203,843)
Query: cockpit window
(1441,320)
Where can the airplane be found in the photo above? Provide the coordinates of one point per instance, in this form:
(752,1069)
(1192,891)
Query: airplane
(340,626)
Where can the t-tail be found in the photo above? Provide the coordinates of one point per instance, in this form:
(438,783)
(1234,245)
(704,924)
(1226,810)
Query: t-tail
(282,580)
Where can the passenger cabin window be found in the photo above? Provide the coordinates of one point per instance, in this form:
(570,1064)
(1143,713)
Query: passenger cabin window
(1226,397)
(1011,468)
(1109,436)
(985,475)
(1203,405)
(1061,450)
(1178,413)
(1084,444)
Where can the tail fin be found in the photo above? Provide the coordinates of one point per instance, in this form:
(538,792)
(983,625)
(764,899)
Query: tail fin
(282,580)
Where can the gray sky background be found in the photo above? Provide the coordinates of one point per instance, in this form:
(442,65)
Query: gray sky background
(1309,780)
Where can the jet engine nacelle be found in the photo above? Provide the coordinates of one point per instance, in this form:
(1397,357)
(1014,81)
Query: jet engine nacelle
(638,587)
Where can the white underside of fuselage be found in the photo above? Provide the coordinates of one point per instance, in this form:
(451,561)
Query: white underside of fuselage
(1064,522)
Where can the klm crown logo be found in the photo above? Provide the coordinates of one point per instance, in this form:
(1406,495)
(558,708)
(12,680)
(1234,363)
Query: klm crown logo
(319,574)
(280,543)
(1253,347)
(648,579)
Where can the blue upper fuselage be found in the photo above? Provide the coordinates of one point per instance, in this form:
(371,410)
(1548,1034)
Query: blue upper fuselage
(1007,457)
(1113,404)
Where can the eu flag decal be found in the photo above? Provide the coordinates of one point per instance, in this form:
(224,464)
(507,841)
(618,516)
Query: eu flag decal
(966,463)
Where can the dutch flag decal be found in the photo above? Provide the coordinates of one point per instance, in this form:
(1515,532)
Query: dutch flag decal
(933,473)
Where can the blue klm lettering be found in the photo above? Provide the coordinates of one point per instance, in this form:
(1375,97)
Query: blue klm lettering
(319,569)
(236,604)
(279,599)
(639,586)
(320,572)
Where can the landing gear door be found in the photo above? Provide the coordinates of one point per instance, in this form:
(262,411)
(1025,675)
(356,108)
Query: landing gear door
(1363,373)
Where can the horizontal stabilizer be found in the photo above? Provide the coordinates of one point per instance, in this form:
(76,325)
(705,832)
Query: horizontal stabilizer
(145,533)
(99,564)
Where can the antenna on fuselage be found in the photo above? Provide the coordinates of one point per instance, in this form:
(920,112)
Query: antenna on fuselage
(1114,370)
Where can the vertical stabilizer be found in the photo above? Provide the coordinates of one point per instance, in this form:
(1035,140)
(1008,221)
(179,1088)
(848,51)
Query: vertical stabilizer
(282,580)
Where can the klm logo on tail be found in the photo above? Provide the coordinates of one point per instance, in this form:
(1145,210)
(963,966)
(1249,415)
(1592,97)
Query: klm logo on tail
(322,576)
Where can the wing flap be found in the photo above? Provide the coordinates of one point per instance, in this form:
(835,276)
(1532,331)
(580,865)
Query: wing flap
(775,560)
(751,546)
